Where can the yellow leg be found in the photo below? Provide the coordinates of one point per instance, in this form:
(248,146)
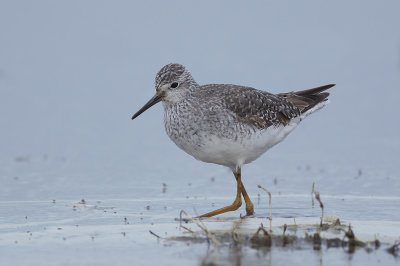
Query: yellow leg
(249,204)
(233,207)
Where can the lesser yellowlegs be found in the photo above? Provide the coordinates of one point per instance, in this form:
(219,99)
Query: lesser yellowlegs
(228,124)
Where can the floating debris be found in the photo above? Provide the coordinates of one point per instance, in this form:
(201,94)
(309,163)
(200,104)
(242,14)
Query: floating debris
(377,243)
(22,159)
(395,249)
(353,241)
(334,242)
(264,240)
(317,241)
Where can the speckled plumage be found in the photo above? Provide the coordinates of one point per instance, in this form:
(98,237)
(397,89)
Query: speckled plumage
(229,124)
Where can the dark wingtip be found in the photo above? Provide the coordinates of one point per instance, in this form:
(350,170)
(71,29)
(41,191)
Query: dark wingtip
(314,91)
(331,85)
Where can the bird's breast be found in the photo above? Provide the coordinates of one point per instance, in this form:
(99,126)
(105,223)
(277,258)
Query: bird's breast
(182,127)
(219,139)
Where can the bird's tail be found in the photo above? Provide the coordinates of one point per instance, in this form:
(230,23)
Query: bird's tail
(307,99)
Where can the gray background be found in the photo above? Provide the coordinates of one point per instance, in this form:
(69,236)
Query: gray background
(73,72)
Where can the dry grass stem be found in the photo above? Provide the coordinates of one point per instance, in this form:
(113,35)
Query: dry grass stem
(317,197)
(154,234)
(312,195)
(188,229)
(200,224)
(270,206)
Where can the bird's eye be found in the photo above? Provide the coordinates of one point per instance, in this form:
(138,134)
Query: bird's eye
(174,85)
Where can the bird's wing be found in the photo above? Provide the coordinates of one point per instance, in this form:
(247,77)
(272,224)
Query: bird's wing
(256,108)
(307,99)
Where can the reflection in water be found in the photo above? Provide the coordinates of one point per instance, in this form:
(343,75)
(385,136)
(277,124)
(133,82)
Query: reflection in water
(239,248)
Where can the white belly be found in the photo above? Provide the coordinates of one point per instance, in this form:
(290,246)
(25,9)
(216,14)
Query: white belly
(233,153)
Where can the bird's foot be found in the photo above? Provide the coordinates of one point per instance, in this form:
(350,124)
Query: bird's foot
(249,208)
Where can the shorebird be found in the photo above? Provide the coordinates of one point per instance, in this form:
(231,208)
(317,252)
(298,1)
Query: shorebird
(228,124)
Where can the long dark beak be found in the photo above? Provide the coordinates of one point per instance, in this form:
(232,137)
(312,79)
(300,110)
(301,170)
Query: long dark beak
(156,98)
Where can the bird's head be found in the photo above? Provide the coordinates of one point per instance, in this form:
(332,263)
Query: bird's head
(172,84)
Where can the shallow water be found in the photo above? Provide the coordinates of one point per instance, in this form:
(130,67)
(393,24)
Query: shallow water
(72,76)
(56,214)
(117,230)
